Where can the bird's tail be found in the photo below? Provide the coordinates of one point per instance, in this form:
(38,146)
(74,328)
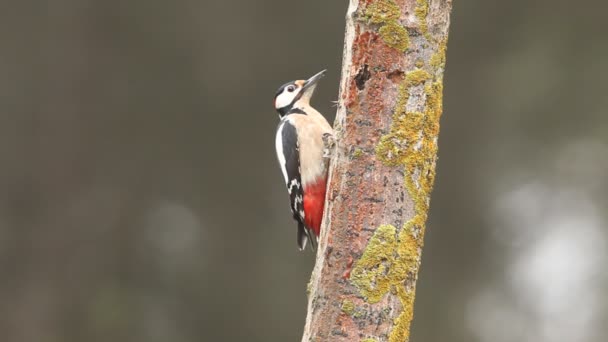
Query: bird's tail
(304,235)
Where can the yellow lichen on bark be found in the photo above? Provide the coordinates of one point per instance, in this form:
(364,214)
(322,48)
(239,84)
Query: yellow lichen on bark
(402,44)
(348,307)
(381,12)
(370,274)
(386,13)
(390,258)
(438,58)
(393,255)
(422,10)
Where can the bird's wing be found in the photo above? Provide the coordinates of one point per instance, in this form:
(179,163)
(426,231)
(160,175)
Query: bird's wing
(288,153)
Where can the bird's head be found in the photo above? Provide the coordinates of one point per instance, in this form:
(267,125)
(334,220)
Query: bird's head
(295,94)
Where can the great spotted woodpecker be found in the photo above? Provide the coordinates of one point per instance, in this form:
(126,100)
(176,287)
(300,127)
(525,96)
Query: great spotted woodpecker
(300,146)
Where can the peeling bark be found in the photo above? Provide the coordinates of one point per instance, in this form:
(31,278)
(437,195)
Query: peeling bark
(382,171)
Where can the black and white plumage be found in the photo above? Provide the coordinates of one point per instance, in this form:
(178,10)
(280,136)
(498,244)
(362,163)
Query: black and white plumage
(288,153)
(299,148)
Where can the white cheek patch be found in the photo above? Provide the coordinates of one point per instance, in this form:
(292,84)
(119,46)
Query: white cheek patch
(284,99)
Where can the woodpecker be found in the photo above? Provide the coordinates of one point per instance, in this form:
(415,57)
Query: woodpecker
(299,146)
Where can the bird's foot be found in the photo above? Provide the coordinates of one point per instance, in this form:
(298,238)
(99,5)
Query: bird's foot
(329,144)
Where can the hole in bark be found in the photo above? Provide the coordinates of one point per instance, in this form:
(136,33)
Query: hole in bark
(362,76)
(396,76)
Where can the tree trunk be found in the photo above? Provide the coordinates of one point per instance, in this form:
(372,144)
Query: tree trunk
(382,171)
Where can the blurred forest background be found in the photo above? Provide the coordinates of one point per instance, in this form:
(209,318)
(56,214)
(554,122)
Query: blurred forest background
(141,200)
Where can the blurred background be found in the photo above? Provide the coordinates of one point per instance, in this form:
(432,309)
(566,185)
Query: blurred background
(141,200)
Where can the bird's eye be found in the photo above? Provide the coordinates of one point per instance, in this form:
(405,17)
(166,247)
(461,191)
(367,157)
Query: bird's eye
(291,89)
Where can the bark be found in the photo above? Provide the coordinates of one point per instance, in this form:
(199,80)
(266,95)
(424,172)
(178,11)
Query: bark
(382,171)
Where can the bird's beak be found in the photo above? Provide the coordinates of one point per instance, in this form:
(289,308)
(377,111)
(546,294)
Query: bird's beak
(311,83)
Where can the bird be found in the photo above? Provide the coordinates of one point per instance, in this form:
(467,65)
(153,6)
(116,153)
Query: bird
(300,148)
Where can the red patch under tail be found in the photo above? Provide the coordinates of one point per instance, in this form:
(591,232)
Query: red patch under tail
(314,200)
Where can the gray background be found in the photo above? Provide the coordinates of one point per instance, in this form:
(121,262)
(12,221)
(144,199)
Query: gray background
(141,201)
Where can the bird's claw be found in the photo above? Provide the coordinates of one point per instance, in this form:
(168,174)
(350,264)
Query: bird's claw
(329,143)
